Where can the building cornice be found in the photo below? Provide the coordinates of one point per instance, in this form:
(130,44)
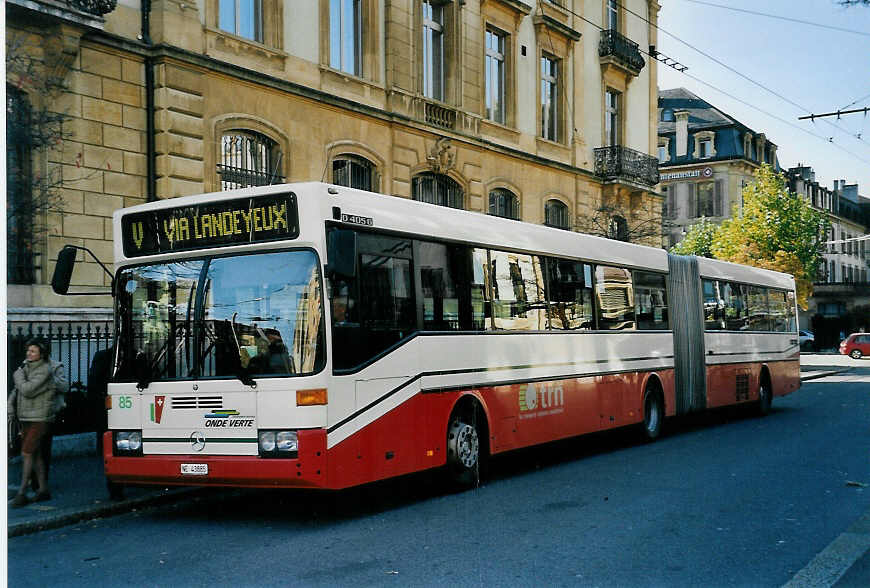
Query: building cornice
(711,160)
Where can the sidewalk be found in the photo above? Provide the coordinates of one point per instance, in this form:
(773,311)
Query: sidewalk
(819,365)
(78,490)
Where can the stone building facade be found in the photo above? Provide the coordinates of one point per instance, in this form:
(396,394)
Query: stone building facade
(706,157)
(840,302)
(538,110)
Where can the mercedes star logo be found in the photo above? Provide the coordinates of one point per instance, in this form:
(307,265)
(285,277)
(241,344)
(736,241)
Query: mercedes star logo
(197,440)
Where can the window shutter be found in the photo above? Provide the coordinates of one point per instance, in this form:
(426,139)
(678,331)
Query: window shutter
(692,208)
(718,198)
(672,202)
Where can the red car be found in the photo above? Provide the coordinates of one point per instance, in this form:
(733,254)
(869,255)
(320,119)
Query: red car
(856,345)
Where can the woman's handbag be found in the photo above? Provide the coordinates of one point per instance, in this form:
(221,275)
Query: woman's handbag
(13,425)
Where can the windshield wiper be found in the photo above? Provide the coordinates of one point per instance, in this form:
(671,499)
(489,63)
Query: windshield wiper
(241,374)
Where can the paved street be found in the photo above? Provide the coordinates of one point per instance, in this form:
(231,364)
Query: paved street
(724,499)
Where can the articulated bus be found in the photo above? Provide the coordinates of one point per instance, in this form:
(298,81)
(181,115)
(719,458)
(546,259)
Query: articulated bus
(315,336)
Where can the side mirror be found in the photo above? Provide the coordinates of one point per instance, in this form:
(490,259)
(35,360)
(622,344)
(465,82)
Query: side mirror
(66,261)
(63,270)
(341,248)
(142,370)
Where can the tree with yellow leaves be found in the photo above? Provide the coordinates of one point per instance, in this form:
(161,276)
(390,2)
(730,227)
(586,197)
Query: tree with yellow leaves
(776,230)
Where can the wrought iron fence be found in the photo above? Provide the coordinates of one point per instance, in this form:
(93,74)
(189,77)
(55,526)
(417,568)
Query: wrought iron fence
(74,344)
(621,162)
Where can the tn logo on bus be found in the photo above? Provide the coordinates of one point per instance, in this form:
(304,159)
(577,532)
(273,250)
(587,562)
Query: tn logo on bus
(541,396)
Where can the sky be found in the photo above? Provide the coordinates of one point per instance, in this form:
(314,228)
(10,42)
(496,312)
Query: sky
(814,70)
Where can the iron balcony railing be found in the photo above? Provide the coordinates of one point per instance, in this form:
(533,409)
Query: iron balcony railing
(856,287)
(624,50)
(617,162)
(96,7)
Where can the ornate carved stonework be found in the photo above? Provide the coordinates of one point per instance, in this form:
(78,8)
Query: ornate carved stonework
(442,157)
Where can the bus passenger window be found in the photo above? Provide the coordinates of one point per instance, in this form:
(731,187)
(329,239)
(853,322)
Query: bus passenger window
(651,301)
(569,284)
(480,302)
(792,319)
(439,275)
(778,307)
(758,313)
(714,306)
(734,297)
(518,292)
(387,312)
(375,310)
(615,298)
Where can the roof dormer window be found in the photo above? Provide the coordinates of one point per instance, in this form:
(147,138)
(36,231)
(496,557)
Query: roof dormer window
(704,145)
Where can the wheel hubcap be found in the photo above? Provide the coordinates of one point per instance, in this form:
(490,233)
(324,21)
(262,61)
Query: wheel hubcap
(467,446)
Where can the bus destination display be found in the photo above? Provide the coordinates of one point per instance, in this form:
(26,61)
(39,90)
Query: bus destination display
(212,224)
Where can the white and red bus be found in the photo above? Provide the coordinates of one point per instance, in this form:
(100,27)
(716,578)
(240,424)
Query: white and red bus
(308,335)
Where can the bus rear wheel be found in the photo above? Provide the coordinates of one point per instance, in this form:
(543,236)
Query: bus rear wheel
(765,397)
(463,452)
(653,414)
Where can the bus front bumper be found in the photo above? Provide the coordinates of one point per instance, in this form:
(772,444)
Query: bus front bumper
(307,470)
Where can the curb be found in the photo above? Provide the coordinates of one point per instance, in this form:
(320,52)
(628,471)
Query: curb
(102,510)
(825,374)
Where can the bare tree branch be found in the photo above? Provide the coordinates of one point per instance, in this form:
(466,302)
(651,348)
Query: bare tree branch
(35,80)
(643,225)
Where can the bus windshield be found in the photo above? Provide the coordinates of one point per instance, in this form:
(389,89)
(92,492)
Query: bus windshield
(231,316)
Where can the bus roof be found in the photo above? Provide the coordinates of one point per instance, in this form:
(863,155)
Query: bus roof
(403,215)
(419,218)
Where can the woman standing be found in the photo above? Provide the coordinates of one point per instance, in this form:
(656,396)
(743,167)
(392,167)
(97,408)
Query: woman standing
(34,405)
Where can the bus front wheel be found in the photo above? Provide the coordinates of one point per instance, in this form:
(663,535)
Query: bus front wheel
(463,452)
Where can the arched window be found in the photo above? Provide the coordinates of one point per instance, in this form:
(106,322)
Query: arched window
(504,203)
(618,228)
(353,171)
(248,159)
(437,189)
(556,215)
(19,188)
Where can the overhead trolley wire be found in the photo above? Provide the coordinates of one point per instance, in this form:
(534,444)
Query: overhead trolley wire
(829,140)
(742,75)
(779,17)
(862,98)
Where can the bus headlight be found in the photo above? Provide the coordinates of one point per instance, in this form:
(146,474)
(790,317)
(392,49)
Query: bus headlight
(127,442)
(287,441)
(267,441)
(278,443)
